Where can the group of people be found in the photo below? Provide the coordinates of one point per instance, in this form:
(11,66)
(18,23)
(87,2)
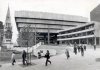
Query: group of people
(47,56)
(79,48)
(24,59)
(76,49)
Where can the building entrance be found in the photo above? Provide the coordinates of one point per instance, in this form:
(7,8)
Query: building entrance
(47,39)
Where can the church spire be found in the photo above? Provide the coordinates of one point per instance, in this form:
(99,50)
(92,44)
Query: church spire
(8,27)
(8,18)
(7,40)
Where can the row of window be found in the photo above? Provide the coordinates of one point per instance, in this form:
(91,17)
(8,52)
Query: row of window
(77,35)
(77,29)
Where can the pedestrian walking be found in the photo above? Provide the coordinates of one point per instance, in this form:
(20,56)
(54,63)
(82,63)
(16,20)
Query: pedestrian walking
(82,51)
(47,56)
(13,58)
(75,50)
(67,53)
(94,47)
(84,48)
(24,57)
(79,48)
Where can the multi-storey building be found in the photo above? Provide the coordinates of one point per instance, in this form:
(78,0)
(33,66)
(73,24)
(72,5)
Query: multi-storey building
(95,14)
(85,34)
(45,25)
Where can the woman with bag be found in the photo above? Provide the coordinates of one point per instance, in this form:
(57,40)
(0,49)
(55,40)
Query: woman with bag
(47,56)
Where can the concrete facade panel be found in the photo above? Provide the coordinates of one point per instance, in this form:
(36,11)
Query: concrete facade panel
(40,21)
(42,30)
(95,14)
(45,15)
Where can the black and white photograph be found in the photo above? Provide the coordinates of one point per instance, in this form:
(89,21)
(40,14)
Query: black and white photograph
(49,34)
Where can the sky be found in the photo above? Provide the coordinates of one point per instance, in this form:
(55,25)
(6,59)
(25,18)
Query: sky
(70,7)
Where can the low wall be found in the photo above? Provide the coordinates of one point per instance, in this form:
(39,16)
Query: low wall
(5,56)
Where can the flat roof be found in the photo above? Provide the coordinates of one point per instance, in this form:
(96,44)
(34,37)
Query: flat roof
(52,16)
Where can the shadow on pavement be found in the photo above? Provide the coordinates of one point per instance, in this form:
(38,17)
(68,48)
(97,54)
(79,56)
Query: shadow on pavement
(32,64)
(97,59)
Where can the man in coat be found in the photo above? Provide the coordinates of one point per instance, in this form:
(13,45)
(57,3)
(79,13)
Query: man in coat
(47,56)
(24,57)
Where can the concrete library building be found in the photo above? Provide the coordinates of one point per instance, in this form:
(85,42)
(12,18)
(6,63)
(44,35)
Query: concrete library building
(44,26)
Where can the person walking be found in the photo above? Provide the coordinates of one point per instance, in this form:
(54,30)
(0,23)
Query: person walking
(67,53)
(82,51)
(84,47)
(24,57)
(47,56)
(13,58)
(94,47)
(78,48)
(75,50)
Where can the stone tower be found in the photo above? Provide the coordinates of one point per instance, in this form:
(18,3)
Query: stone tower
(7,41)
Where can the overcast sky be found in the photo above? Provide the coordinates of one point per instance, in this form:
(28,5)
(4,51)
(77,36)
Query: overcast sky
(70,7)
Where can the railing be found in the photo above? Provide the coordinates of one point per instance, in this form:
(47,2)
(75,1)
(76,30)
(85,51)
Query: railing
(30,49)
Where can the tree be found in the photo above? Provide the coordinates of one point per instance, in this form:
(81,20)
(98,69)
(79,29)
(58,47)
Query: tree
(27,38)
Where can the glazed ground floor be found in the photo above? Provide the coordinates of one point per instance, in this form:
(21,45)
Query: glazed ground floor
(46,38)
(89,41)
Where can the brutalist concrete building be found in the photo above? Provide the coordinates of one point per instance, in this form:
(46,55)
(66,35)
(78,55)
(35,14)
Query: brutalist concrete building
(44,26)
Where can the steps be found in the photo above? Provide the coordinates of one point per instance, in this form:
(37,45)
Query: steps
(59,48)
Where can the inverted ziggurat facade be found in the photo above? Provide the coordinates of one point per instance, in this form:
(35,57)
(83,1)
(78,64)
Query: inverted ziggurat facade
(44,25)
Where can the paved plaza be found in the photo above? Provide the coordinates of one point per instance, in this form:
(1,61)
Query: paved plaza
(90,61)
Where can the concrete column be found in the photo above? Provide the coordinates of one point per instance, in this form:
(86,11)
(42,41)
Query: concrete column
(35,34)
(95,40)
(87,41)
(79,41)
(48,35)
(44,39)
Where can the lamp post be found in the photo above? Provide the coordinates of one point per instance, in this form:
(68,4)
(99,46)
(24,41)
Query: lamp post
(94,40)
